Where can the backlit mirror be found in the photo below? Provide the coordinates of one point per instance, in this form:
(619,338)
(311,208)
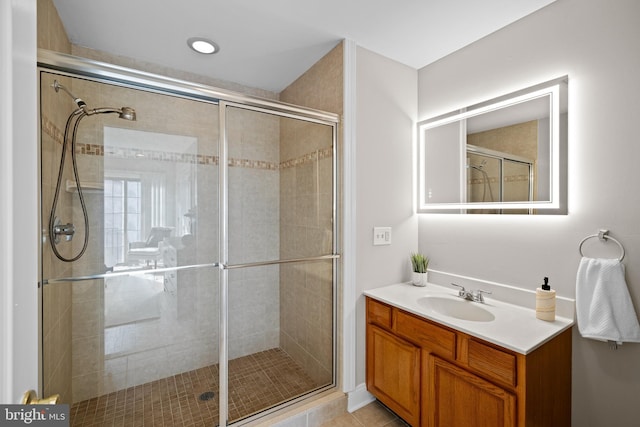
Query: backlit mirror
(505,155)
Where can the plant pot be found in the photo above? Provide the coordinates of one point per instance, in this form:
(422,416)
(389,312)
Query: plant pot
(419,279)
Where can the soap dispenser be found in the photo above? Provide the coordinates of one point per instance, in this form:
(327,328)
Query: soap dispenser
(546,302)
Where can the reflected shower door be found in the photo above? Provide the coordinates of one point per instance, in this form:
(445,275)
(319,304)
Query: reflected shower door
(484,177)
(135,319)
(518,182)
(281,207)
(499,179)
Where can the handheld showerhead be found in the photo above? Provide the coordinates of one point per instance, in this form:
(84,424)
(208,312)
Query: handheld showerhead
(127,113)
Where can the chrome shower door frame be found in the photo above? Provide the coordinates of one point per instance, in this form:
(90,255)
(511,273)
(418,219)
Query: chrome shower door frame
(76,67)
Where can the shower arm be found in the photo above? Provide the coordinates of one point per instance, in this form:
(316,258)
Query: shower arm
(124,112)
(79,102)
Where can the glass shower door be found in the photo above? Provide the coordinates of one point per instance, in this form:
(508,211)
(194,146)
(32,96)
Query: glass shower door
(131,325)
(280,192)
(518,181)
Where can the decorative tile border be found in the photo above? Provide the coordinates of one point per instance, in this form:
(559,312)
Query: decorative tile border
(201,159)
(516,178)
(253,164)
(52,130)
(325,153)
(90,149)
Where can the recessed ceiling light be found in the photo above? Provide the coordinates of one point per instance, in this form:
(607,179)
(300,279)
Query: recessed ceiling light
(202,45)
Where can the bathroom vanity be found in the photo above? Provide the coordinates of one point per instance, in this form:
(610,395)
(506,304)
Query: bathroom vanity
(439,361)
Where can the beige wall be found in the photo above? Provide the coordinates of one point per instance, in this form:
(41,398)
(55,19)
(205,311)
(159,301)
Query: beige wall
(51,32)
(520,139)
(595,44)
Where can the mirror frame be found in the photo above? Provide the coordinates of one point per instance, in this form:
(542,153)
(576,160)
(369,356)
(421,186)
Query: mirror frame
(556,90)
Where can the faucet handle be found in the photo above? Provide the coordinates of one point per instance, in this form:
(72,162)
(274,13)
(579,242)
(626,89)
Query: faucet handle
(478,295)
(462,290)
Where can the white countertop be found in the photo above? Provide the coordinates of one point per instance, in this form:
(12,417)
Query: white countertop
(514,327)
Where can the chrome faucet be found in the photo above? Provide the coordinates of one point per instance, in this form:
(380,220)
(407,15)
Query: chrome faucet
(475,296)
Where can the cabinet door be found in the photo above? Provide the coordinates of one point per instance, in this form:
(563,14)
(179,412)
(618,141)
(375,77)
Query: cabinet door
(457,398)
(393,373)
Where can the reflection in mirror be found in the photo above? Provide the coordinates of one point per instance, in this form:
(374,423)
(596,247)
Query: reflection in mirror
(506,155)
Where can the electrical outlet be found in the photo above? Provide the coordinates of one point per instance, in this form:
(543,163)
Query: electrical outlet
(381,236)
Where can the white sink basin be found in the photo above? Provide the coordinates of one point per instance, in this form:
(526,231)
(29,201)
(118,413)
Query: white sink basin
(458,308)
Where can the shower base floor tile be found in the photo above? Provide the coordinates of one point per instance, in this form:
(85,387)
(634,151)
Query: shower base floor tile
(256,382)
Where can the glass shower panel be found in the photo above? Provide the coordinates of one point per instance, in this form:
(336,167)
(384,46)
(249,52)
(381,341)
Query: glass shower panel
(280,187)
(517,181)
(518,184)
(280,334)
(280,195)
(137,311)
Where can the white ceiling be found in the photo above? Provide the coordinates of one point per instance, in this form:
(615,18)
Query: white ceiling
(269,43)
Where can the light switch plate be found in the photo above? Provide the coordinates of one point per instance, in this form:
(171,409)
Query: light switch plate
(381,236)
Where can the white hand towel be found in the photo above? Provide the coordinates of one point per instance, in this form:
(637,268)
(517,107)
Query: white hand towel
(603,304)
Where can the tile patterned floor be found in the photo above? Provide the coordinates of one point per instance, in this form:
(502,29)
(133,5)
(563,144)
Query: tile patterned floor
(373,415)
(255,382)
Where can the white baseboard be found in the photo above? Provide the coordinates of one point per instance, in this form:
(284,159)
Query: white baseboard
(358,398)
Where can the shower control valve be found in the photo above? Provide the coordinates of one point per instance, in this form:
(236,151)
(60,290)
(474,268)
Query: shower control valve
(65,231)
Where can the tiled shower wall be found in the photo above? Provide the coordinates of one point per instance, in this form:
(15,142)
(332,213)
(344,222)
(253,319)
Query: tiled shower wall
(306,289)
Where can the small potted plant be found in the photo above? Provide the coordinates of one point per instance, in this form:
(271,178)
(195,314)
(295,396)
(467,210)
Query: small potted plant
(419,263)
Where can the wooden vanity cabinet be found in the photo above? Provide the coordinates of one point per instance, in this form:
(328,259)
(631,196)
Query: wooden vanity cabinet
(395,373)
(461,381)
(456,397)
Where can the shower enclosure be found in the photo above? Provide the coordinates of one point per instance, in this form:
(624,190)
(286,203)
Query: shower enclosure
(206,292)
(495,176)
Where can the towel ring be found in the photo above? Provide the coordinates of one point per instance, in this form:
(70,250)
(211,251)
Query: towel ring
(602,235)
